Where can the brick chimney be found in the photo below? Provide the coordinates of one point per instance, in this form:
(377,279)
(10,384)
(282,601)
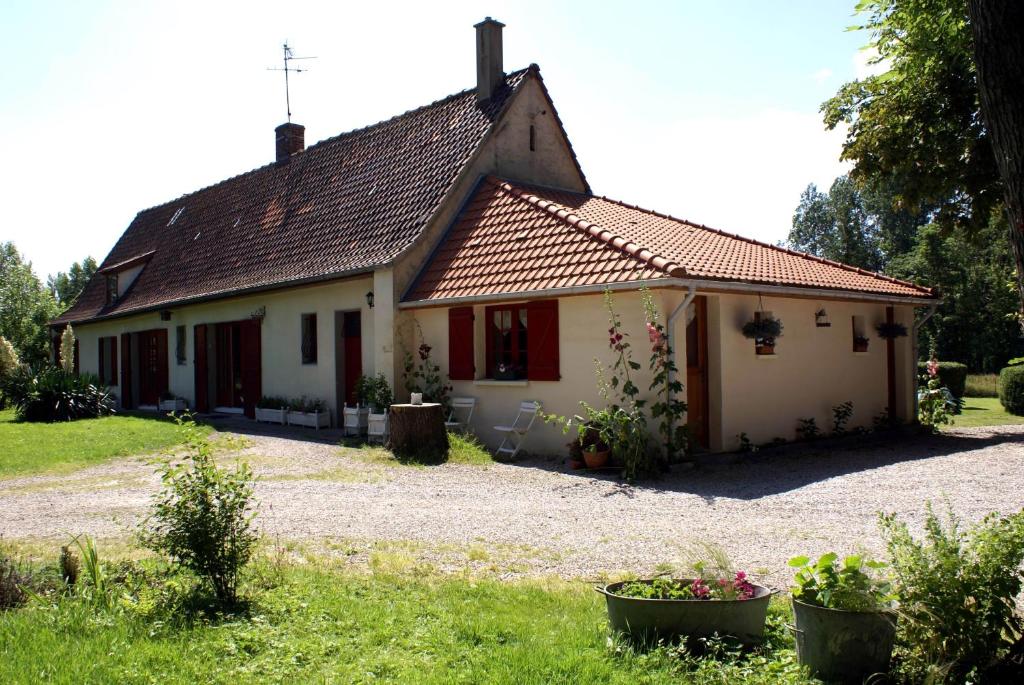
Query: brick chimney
(489,73)
(290,139)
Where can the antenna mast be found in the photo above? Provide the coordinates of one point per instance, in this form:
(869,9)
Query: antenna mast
(288,57)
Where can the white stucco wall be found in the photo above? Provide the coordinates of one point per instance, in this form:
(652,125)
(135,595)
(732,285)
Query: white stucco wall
(283,372)
(813,370)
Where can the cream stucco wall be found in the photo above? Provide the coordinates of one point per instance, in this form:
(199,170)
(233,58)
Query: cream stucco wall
(813,370)
(283,372)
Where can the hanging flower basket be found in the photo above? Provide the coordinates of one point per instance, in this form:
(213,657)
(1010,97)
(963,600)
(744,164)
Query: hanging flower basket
(891,331)
(763,330)
(860,343)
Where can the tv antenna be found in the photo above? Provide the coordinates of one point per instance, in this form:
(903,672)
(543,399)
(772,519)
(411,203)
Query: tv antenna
(288,57)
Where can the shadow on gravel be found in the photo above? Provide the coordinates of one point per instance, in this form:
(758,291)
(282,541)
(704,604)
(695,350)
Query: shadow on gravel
(780,469)
(243,426)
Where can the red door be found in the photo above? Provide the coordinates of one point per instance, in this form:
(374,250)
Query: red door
(697,373)
(126,371)
(202,382)
(251,366)
(353,354)
(152,365)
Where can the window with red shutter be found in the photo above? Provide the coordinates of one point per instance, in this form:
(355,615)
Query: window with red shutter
(460,344)
(542,342)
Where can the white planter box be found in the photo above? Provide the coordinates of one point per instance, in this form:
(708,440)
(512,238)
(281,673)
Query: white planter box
(316,420)
(272,415)
(356,420)
(176,404)
(377,426)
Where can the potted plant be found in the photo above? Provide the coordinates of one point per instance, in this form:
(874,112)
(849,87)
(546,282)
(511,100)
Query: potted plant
(845,626)
(355,420)
(724,603)
(272,410)
(860,343)
(594,435)
(170,402)
(310,413)
(378,396)
(763,330)
(891,331)
(505,372)
(575,455)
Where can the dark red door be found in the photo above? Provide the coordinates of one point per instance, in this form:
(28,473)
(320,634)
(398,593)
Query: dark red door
(251,365)
(152,365)
(353,354)
(697,417)
(202,370)
(126,371)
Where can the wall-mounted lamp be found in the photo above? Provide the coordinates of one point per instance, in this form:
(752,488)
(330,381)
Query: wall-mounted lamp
(369,299)
(258,314)
(165,314)
(821,318)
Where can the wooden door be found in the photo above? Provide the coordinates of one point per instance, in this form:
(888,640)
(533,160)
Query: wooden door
(153,380)
(353,353)
(697,373)
(126,371)
(251,365)
(202,370)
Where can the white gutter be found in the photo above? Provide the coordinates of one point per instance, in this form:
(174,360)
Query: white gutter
(691,292)
(915,352)
(703,285)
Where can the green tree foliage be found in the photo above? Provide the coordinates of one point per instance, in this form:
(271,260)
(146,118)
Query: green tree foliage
(66,287)
(836,226)
(26,307)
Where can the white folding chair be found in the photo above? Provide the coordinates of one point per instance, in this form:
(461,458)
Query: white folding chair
(460,405)
(515,435)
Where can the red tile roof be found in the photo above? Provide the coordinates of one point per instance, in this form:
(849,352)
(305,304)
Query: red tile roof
(513,238)
(344,205)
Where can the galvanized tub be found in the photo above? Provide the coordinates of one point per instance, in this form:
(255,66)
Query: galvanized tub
(650,620)
(843,646)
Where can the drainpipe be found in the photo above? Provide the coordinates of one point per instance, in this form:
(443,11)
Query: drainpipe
(915,352)
(691,292)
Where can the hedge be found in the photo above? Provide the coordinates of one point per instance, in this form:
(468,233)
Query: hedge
(952,374)
(1011,389)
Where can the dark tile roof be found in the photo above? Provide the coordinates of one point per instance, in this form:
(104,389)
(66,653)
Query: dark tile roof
(513,238)
(344,205)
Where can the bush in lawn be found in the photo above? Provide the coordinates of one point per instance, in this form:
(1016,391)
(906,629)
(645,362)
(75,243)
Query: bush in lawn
(952,375)
(8,363)
(957,594)
(1011,389)
(13,581)
(54,394)
(202,518)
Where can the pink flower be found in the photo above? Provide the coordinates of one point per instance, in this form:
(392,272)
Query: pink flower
(933,367)
(741,575)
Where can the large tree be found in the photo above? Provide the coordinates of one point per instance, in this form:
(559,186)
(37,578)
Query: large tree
(998,30)
(919,124)
(66,287)
(836,226)
(26,306)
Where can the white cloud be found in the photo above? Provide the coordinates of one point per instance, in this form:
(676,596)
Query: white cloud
(822,75)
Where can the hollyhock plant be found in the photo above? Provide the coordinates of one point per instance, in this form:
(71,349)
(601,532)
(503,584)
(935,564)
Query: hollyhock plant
(668,407)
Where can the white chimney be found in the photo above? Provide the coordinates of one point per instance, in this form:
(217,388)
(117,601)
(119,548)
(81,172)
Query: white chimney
(490,75)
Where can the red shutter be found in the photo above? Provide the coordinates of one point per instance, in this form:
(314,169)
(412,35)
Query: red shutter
(202,380)
(103,370)
(489,340)
(542,340)
(112,371)
(162,381)
(460,344)
(126,371)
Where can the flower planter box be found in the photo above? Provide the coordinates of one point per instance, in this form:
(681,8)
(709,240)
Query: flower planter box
(318,420)
(860,346)
(377,426)
(650,620)
(355,420)
(764,349)
(272,415)
(176,404)
(846,646)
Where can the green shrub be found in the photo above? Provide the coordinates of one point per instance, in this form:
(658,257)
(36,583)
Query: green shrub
(957,594)
(952,375)
(202,518)
(1011,389)
(853,585)
(54,394)
(13,582)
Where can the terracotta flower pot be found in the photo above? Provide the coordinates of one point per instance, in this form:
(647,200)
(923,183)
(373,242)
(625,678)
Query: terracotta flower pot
(577,464)
(765,348)
(596,460)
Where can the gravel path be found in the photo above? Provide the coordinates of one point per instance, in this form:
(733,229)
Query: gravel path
(535,517)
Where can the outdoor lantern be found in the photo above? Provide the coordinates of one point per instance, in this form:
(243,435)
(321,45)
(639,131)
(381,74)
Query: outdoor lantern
(369,299)
(821,318)
(165,315)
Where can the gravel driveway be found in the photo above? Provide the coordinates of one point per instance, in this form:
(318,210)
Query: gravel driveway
(535,517)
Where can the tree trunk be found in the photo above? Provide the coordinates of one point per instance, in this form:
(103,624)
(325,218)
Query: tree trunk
(418,433)
(999,59)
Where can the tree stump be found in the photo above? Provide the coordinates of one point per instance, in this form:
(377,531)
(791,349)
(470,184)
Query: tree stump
(418,433)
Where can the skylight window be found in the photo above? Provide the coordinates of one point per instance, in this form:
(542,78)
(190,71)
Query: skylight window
(176,215)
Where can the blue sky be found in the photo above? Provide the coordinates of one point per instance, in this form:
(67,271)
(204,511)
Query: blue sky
(703,110)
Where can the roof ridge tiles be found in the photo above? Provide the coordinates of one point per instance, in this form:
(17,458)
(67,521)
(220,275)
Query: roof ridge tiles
(621,243)
(778,248)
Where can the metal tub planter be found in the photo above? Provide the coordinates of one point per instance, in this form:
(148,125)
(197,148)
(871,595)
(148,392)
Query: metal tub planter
(649,620)
(843,646)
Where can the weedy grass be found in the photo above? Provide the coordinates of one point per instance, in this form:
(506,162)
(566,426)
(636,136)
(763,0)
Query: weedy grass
(984,411)
(463,449)
(30,448)
(982,385)
(316,625)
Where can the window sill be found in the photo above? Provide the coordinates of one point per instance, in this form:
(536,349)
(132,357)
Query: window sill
(773,355)
(511,384)
(861,354)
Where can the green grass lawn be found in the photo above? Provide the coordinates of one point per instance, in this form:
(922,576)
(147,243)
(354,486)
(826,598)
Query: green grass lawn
(341,627)
(984,411)
(27,448)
